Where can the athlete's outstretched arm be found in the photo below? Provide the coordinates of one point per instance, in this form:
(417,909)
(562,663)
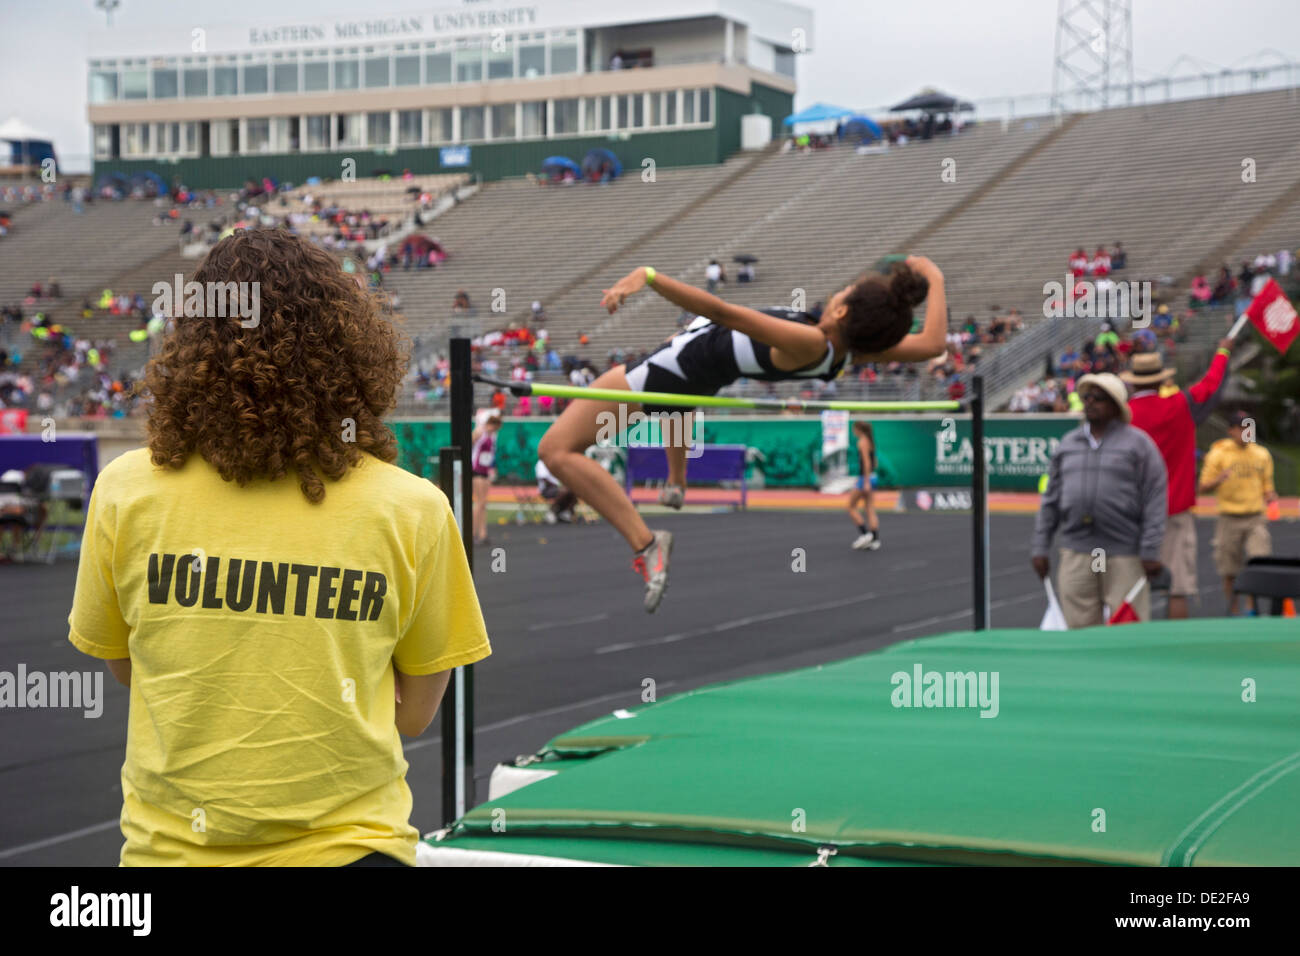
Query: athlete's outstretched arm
(932,340)
(803,343)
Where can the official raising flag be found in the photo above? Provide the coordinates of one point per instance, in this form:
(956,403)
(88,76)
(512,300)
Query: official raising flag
(1275,317)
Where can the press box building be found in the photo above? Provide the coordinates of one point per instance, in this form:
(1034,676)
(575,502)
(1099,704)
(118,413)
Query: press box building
(489,86)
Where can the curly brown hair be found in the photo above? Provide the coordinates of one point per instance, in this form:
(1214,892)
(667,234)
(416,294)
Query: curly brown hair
(255,402)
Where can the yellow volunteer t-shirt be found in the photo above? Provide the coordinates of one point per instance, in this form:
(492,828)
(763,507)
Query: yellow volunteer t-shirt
(1251,471)
(262,632)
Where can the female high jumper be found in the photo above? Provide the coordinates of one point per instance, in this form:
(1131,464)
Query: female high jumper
(870,320)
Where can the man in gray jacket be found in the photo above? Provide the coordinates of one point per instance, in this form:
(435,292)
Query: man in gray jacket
(1106,494)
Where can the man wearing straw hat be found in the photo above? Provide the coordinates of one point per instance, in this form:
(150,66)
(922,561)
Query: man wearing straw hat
(1170,417)
(1107,495)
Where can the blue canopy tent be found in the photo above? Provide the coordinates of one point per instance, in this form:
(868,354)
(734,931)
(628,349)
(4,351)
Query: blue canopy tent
(597,158)
(818,113)
(27,146)
(557,166)
(863,128)
(116,180)
(147,181)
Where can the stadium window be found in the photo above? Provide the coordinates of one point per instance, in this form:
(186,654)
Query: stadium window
(191,138)
(501,58)
(406,70)
(376,72)
(255,78)
(409,128)
(379,127)
(503,121)
(346,74)
(440,126)
(564,52)
(656,110)
(670,108)
(591,114)
(286,78)
(471,123)
(165,84)
(534,119)
(103,142)
(196,82)
(469,61)
(438,67)
(349,129)
(135,84)
(103,86)
(688,106)
(607,118)
(532,56)
(225,81)
(706,104)
(784,62)
(565,115)
(315,77)
(318,132)
(258,133)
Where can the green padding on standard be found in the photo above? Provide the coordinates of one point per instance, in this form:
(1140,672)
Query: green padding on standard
(1125,745)
(644,852)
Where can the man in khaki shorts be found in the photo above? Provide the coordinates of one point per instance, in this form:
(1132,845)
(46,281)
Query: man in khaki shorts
(1238,471)
(1170,416)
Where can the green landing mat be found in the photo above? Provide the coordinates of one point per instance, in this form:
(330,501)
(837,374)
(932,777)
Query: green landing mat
(1171,743)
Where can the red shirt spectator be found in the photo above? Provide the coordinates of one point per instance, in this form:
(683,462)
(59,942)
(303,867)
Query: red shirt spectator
(1101,262)
(1171,419)
(1079,263)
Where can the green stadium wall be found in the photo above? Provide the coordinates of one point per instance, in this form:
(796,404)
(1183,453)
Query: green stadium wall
(491,161)
(913,451)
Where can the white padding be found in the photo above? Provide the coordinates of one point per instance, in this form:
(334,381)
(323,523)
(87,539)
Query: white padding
(426,855)
(507,779)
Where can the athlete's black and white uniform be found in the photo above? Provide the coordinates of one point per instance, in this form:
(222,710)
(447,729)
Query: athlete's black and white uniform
(704,358)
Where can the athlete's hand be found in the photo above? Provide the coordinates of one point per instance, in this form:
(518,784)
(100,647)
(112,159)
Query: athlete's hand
(634,281)
(1042,565)
(1152,568)
(1226,344)
(924,267)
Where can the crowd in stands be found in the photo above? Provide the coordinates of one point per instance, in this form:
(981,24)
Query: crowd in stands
(1111,351)
(1243,286)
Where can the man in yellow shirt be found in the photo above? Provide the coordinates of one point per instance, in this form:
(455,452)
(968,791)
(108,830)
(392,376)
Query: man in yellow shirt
(282,601)
(1238,471)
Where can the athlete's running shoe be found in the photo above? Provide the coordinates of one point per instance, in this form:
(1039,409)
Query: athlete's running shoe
(875,543)
(672,496)
(864,541)
(652,565)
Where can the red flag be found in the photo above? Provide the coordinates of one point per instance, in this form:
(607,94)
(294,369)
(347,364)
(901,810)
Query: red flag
(1126,614)
(1274,316)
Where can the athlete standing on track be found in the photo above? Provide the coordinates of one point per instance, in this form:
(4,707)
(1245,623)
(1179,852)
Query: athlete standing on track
(481,464)
(868,524)
(870,320)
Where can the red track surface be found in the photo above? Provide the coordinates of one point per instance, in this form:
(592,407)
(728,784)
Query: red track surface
(786,499)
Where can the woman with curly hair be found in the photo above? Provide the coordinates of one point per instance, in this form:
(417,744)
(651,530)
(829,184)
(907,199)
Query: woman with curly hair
(282,600)
(870,319)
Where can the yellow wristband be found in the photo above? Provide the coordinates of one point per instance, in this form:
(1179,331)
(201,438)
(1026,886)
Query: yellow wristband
(1224,352)
(649,275)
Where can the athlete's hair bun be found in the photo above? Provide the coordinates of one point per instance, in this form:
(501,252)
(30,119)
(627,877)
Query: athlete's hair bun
(907,289)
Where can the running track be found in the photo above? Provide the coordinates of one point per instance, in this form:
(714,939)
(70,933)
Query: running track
(571,642)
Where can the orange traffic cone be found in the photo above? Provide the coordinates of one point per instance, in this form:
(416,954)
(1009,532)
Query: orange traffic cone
(1288,607)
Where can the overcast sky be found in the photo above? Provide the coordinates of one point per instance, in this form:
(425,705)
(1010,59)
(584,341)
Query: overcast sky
(868,53)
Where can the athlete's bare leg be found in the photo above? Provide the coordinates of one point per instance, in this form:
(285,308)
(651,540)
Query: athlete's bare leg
(562,447)
(675,440)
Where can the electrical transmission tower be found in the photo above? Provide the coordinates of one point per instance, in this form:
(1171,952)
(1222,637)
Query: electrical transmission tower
(1094,54)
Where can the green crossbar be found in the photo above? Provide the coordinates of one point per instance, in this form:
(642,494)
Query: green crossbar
(715,401)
